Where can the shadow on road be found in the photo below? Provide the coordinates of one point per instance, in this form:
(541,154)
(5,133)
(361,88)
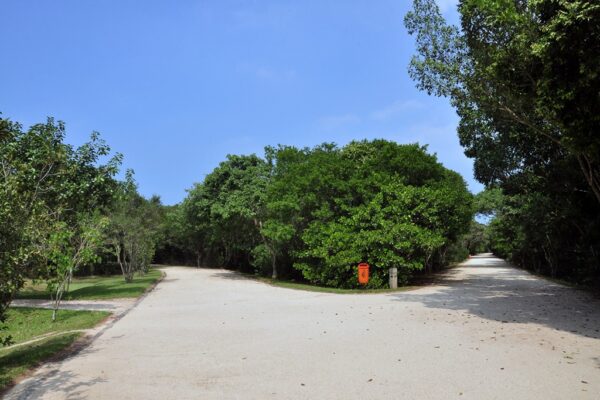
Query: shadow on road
(70,384)
(231,275)
(489,288)
(57,381)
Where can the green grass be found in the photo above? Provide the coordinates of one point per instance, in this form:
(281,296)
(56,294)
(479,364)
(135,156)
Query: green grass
(17,361)
(28,323)
(324,289)
(96,287)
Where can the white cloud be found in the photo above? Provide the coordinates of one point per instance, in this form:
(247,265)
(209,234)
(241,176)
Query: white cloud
(396,108)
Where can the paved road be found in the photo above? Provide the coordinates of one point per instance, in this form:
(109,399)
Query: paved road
(487,332)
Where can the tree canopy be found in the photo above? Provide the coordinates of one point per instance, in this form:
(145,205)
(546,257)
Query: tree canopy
(524,79)
(315,213)
(47,189)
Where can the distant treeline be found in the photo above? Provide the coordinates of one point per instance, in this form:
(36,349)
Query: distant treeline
(315,213)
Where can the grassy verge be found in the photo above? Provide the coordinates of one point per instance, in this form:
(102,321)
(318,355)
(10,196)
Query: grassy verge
(25,324)
(324,289)
(96,287)
(415,282)
(16,362)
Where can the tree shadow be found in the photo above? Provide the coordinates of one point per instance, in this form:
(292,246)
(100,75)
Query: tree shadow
(490,288)
(69,384)
(169,280)
(53,350)
(232,276)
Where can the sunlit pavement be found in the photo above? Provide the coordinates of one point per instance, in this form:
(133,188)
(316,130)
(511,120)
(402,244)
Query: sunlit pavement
(487,331)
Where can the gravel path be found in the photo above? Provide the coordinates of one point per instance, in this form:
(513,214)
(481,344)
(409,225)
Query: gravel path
(487,331)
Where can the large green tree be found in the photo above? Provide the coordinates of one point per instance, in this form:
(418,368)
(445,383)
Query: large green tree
(314,213)
(376,201)
(134,228)
(226,210)
(523,76)
(44,183)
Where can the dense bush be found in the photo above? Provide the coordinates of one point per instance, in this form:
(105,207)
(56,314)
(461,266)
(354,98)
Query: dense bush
(316,213)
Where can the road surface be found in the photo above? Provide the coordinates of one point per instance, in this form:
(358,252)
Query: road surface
(487,331)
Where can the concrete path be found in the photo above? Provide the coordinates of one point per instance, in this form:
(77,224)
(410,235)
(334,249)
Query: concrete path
(487,331)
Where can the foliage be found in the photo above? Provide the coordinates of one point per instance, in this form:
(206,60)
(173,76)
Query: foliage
(523,77)
(45,184)
(178,240)
(68,249)
(386,204)
(134,229)
(225,210)
(316,213)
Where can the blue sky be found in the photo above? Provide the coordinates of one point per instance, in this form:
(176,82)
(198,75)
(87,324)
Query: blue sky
(175,86)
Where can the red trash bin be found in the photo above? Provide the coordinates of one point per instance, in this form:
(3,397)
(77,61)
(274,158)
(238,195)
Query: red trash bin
(363,273)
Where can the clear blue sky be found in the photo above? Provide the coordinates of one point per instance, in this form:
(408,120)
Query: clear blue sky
(177,85)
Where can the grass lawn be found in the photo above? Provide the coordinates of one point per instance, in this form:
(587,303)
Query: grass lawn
(27,323)
(96,287)
(324,289)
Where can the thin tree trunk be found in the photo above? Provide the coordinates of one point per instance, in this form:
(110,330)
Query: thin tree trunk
(274,264)
(60,290)
(590,175)
(120,260)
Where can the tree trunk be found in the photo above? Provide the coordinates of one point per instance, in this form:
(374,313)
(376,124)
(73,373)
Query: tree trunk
(121,260)
(274,264)
(590,174)
(60,290)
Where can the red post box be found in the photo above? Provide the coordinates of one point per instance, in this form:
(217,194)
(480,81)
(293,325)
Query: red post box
(363,273)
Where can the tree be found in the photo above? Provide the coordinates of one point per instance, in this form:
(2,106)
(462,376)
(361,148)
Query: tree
(314,213)
(134,229)
(228,211)
(70,247)
(375,201)
(523,76)
(44,182)
(180,241)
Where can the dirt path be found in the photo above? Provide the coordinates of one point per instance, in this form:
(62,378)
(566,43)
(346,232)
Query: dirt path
(487,332)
